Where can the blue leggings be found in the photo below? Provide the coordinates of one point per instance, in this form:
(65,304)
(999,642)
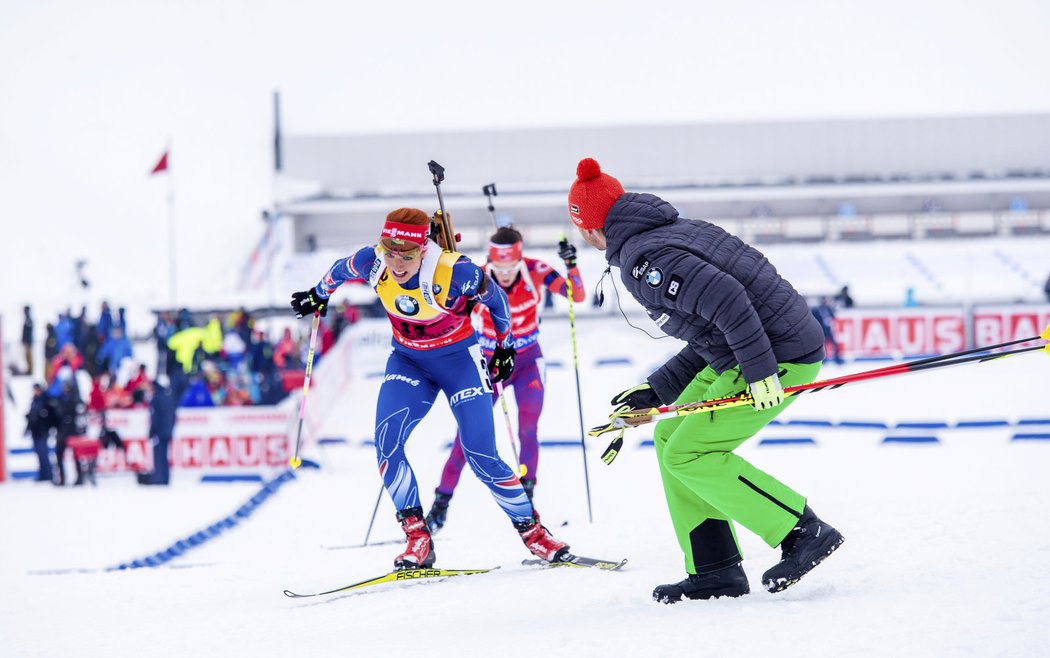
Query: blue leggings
(527,381)
(408,392)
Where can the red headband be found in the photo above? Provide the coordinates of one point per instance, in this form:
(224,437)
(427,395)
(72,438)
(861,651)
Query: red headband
(407,232)
(504,254)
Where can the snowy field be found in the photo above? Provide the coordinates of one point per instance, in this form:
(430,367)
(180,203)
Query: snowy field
(945,555)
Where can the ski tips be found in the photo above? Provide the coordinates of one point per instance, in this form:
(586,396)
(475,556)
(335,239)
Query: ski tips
(1046,335)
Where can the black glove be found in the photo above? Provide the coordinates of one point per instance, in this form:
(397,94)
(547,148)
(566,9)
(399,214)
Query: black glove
(641,396)
(501,366)
(308,302)
(567,252)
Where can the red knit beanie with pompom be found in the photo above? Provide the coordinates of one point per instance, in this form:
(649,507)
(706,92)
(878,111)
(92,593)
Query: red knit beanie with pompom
(592,194)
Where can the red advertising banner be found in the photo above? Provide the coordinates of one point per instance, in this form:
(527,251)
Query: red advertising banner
(894,333)
(220,438)
(999,324)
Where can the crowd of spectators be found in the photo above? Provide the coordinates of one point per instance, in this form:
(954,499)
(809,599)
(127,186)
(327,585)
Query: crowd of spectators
(210,361)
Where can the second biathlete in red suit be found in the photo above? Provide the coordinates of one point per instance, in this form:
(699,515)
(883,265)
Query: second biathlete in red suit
(524,280)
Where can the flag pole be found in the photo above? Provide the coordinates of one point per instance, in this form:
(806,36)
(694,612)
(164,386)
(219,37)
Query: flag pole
(172,300)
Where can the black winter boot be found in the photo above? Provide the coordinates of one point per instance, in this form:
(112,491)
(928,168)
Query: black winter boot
(528,484)
(438,512)
(806,546)
(730,581)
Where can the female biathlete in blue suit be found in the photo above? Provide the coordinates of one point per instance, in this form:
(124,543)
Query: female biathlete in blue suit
(427,293)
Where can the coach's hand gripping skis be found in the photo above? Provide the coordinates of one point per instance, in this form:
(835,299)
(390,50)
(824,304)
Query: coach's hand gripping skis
(625,417)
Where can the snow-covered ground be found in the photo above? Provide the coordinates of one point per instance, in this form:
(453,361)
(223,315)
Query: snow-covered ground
(945,555)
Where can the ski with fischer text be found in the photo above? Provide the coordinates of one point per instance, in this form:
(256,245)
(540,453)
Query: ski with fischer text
(399,576)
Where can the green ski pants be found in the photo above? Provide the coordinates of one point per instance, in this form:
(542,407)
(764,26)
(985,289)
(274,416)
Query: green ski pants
(707,486)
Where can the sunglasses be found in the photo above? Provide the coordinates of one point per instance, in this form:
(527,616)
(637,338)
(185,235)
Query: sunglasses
(408,255)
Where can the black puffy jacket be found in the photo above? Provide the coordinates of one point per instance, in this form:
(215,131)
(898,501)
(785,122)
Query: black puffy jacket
(710,289)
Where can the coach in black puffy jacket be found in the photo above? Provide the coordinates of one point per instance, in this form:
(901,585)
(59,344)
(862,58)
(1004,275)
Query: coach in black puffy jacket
(746,331)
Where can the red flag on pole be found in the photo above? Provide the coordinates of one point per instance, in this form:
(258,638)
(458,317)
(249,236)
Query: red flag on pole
(162,164)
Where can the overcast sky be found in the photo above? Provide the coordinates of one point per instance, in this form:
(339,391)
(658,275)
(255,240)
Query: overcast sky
(90,92)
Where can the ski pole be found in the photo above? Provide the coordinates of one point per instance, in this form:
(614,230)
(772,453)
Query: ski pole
(490,191)
(295,462)
(579,403)
(374,511)
(522,469)
(636,417)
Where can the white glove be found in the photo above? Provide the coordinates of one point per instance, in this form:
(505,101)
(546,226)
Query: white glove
(767,393)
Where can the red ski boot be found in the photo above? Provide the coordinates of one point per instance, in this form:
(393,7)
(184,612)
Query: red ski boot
(539,540)
(419,554)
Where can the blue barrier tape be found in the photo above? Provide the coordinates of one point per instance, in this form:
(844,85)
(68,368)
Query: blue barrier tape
(911,439)
(1034,421)
(1030,437)
(802,440)
(931,425)
(811,423)
(863,424)
(214,530)
(233,477)
(617,361)
(962,424)
(332,441)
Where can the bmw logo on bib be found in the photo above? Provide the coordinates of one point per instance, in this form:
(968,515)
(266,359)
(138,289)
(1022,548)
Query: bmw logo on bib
(654,277)
(406,305)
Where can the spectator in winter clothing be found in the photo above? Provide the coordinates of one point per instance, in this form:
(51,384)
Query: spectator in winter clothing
(161,333)
(162,414)
(27,339)
(138,381)
(825,315)
(1046,288)
(191,343)
(197,394)
(64,330)
(80,324)
(97,397)
(234,348)
(67,407)
(50,350)
(260,354)
(105,321)
(114,351)
(843,299)
(284,353)
(747,332)
(39,422)
(67,356)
